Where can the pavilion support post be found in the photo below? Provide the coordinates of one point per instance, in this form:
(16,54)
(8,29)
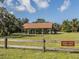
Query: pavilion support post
(28,31)
(50,31)
(42,31)
(35,31)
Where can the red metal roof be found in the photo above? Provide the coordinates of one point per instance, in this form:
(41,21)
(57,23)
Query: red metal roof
(37,25)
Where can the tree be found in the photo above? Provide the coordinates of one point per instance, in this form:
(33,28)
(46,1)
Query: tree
(56,27)
(66,26)
(40,21)
(74,24)
(25,20)
(1,1)
(78,26)
(8,22)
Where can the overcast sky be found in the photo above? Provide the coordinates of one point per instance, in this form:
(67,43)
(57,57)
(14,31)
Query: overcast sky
(51,10)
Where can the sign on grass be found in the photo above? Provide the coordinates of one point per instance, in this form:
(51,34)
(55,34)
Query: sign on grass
(67,43)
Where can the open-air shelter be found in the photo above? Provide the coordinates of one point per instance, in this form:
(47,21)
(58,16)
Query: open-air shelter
(38,28)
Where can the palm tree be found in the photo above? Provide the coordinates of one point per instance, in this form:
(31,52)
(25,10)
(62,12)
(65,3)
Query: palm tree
(74,25)
(78,26)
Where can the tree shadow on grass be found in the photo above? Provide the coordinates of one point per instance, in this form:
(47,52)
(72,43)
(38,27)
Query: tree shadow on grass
(21,36)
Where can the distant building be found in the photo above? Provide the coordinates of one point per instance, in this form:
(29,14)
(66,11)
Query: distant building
(38,28)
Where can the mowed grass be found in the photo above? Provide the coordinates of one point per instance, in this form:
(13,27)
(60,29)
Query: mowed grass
(60,36)
(64,36)
(37,54)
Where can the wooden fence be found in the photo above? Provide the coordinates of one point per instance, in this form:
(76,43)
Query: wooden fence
(43,47)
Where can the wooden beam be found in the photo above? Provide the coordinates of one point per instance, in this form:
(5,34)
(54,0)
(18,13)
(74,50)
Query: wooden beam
(5,43)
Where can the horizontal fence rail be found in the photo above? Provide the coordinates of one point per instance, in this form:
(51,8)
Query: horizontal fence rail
(50,41)
(43,47)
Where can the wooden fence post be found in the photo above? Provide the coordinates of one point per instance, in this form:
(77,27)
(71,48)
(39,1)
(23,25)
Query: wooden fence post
(44,48)
(5,42)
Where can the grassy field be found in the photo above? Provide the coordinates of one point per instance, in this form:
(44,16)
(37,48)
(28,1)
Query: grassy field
(36,54)
(69,36)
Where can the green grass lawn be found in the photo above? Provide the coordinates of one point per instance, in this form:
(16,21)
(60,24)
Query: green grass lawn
(69,36)
(36,54)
